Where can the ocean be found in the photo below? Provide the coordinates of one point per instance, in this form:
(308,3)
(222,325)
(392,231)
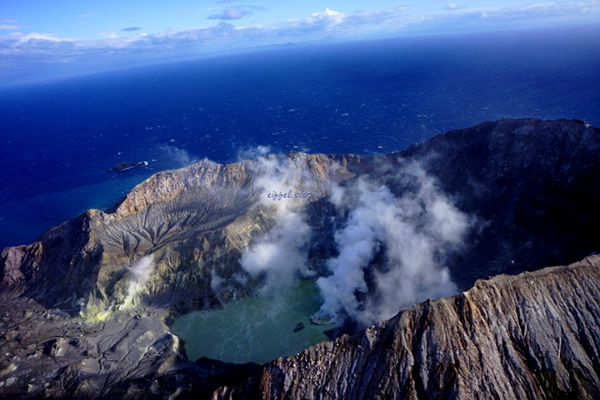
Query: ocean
(58,139)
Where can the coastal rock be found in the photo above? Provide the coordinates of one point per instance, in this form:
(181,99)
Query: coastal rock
(124,166)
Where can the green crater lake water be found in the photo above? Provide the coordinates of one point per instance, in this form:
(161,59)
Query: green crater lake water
(258,329)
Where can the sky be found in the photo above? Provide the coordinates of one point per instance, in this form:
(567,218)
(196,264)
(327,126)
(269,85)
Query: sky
(41,36)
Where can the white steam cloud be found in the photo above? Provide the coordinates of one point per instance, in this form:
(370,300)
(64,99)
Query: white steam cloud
(138,274)
(391,249)
(253,153)
(280,254)
(416,230)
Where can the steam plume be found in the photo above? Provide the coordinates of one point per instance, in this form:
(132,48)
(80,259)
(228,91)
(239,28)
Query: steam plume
(179,156)
(279,254)
(253,153)
(138,274)
(391,249)
(416,230)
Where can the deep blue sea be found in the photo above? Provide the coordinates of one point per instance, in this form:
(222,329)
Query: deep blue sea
(57,140)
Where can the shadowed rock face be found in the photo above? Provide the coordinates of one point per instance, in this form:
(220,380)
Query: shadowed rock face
(532,183)
(85,309)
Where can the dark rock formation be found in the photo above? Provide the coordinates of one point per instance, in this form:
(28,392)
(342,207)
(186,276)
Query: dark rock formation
(85,309)
(299,326)
(124,166)
(530,181)
(531,336)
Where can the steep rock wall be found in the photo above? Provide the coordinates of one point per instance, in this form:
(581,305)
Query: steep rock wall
(531,336)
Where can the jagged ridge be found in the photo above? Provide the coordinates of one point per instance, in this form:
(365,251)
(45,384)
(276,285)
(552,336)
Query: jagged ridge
(531,336)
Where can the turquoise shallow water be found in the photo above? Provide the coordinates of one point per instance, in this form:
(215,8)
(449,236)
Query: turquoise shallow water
(257,329)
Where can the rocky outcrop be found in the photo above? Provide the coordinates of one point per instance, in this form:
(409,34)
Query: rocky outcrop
(530,182)
(85,309)
(531,336)
(47,353)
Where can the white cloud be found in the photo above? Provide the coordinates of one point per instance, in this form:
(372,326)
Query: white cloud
(9,24)
(18,49)
(533,11)
(453,6)
(35,36)
(330,16)
(180,157)
(235,12)
(253,153)
(230,13)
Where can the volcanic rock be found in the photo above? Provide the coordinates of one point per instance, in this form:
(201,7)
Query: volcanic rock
(85,310)
(531,336)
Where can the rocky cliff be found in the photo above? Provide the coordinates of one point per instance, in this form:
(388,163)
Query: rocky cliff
(531,180)
(531,336)
(86,308)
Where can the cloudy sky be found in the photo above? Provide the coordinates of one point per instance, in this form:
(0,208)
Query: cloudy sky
(85,34)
